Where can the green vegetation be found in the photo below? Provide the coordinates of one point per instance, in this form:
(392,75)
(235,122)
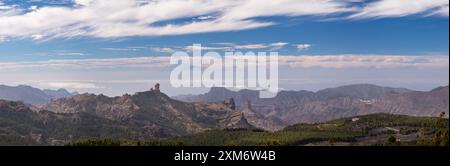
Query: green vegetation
(376,129)
(440,134)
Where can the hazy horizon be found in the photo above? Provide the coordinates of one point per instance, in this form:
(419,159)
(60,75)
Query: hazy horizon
(205,90)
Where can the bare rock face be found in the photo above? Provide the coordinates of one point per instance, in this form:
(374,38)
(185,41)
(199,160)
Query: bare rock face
(237,121)
(431,103)
(154,112)
(141,116)
(269,123)
(111,108)
(291,107)
(230,103)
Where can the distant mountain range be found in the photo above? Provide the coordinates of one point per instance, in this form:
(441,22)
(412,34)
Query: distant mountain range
(152,114)
(364,91)
(292,107)
(31,95)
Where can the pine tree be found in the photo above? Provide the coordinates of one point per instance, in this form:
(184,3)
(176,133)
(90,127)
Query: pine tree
(440,136)
(421,137)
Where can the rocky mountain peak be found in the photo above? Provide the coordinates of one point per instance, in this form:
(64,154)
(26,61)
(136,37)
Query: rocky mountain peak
(156,88)
(156,112)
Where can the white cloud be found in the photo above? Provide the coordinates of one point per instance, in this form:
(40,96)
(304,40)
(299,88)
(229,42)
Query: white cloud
(121,49)
(323,61)
(8,10)
(443,11)
(302,47)
(71,85)
(37,36)
(2,39)
(70,54)
(104,19)
(400,8)
(366,61)
(206,48)
(3,6)
(128,18)
(205,17)
(250,46)
(164,50)
(234,46)
(33,8)
(84,2)
(277,46)
(87,64)
(255,8)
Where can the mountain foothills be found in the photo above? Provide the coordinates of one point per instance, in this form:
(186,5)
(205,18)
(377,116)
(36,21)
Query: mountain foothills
(227,117)
(31,95)
(366,130)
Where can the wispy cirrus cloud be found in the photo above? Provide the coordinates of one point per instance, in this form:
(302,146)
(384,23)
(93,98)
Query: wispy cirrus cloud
(87,64)
(239,47)
(366,61)
(71,85)
(271,46)
(163,49)
(207,48)
(401,8)
(8,10)
(278,45)
(129,18)
(70,54)
(321,61)
(120,49)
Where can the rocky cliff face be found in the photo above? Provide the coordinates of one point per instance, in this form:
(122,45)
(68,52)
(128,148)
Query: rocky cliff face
(144,115)
(270,123)
(103,106)
(154,111)
(412,103)
(291,107)
(430,103)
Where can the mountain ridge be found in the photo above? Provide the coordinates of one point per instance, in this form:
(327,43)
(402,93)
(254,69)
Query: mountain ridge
(144,115)
(153,114)
(31,95)
(293,107)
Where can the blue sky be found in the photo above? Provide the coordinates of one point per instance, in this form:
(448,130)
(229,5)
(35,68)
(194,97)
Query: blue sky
(412,35)
(37,35)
